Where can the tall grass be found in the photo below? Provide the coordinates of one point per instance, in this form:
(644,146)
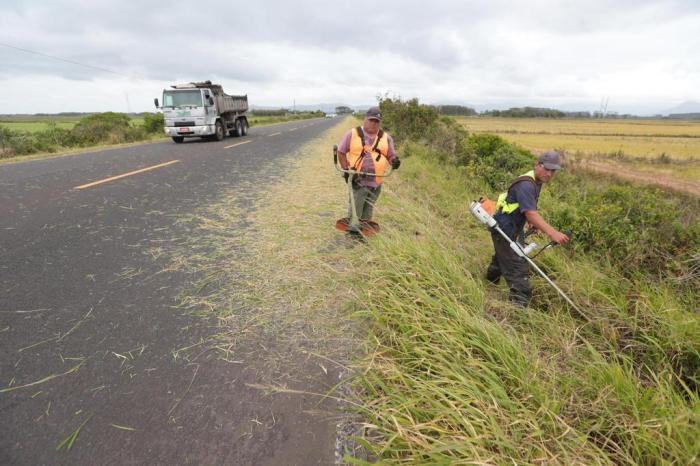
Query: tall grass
(456,375)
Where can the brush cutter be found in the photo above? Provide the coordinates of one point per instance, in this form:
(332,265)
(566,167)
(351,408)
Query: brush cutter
(521,250)
(354,224)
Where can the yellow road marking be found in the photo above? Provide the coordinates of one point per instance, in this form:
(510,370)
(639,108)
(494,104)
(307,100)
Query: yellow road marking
(237,144)
(273,134)
(293,129)
(107,180)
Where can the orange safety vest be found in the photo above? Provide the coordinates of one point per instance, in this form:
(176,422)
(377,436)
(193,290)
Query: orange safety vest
(359,152)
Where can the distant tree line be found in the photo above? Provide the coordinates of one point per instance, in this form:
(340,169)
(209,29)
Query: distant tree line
(455,110)
(526,112)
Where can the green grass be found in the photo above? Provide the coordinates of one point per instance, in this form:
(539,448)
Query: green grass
(454,374)
(34,124)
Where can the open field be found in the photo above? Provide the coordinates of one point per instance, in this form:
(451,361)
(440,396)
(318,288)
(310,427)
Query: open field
(34,124)
(644,139)
(661,152)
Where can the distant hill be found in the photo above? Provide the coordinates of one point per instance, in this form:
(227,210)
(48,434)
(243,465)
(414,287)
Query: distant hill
(684,116)
(688,106)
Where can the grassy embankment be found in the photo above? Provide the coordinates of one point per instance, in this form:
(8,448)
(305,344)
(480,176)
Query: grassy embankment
(454,374)
(659,147)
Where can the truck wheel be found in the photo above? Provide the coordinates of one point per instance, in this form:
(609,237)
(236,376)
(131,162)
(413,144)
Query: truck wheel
(178,139)
(239,130)
(244,127)
(219,134)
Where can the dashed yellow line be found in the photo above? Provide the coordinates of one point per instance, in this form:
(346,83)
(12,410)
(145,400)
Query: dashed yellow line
(237,144)
(118,177)
(273,134)
(293,129)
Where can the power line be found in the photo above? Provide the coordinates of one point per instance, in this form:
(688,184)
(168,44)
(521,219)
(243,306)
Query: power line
(72,62)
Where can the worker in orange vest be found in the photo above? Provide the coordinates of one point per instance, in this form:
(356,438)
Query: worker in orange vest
(367,149)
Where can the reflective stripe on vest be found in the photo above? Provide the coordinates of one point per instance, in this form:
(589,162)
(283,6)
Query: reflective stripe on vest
(502,205)
(358,148)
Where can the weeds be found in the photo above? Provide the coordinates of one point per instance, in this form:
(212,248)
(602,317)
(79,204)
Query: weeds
(453,374)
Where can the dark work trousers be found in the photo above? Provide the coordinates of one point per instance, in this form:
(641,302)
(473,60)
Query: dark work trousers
(514,268)
(364,200)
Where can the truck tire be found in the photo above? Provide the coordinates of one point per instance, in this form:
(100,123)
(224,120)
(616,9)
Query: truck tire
(178,139)
(239,130)
(219,131)
(244,127)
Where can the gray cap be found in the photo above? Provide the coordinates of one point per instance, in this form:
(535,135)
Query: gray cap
(550,160)
(374,113)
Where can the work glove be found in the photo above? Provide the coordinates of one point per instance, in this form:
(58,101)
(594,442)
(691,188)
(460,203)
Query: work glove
(396,163)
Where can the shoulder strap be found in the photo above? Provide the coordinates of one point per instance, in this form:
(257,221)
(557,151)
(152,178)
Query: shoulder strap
(361,134)
(522,178)
(380,134)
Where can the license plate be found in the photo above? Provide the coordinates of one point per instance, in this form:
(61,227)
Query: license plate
(183,130)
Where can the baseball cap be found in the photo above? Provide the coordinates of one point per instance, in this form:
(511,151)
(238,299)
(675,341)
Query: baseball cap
(550,160)
(373,113)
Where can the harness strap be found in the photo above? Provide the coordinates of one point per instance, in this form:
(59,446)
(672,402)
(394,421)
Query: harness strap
(376,143)
(502,202)
(361,134)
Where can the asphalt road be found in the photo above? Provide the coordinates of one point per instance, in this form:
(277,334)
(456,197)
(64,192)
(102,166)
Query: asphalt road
(88,327)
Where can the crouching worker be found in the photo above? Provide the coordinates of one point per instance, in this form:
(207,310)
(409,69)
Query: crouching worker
(513,208)
(367,149)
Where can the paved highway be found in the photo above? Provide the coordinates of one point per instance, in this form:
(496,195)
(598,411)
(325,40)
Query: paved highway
(87,326)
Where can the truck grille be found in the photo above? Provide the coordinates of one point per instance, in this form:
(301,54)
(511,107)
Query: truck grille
(184,123)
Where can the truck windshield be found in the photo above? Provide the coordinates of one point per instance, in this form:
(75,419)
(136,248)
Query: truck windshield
(182,98)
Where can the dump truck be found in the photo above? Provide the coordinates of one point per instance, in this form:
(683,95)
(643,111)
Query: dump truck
(203,109)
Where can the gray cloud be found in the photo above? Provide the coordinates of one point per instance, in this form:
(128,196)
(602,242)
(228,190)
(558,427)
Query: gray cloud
(498,51)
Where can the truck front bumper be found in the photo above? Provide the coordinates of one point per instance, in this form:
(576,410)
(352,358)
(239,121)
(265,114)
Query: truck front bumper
(189,131)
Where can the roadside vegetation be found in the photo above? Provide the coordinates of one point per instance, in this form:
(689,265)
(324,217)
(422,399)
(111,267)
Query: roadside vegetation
(96,129)
(454,373)
(23,135)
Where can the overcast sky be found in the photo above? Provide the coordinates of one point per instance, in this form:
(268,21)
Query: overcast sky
(644,56)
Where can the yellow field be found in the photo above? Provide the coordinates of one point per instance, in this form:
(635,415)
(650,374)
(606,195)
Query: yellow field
(646,139)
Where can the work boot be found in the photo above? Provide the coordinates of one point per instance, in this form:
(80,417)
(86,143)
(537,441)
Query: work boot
(520,298)
(492,277)
(493,273)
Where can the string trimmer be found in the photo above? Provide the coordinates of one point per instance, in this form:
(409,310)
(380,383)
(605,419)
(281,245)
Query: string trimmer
(354,223)
(521,250)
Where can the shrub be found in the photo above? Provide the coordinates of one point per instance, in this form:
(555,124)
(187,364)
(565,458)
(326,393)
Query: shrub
(109,127)
(153,123)
(639,226)
(408,120)
(497,161)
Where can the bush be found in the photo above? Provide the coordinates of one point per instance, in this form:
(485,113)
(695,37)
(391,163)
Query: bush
(153,123)
(497,161)
(408,120)
(101,128)
(639,226)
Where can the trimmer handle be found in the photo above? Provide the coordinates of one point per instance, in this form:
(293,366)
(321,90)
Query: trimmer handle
(335,154)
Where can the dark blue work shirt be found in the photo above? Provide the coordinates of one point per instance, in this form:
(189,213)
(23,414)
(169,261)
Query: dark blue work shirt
(526,193)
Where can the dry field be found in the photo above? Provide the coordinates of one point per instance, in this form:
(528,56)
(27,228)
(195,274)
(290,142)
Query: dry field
(664,152)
